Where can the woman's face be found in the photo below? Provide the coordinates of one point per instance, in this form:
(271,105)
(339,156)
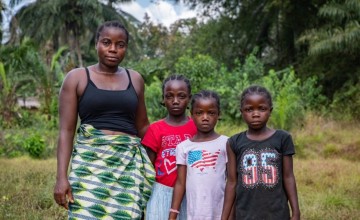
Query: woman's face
(111,46)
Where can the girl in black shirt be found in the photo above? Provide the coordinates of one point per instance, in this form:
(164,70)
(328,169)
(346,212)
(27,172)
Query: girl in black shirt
(260,165)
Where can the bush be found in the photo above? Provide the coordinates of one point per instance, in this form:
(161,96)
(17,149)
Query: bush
(25,118)
(205,73)
(288,108)
(153,98)
(11,144)
(291,96)
(35,146)
(346,102)
(202,71)
(242,76)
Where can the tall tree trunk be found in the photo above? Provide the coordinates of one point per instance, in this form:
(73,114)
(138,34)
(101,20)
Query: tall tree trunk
(78,51)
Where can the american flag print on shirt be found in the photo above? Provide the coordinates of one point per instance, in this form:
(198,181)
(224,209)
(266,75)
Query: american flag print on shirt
(269,171)
(202,159)
(250,176)
(260,167)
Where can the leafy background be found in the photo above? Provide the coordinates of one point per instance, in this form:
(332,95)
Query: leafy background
(305,52)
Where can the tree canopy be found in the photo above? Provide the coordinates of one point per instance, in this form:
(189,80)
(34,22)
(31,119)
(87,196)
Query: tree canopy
(316,40)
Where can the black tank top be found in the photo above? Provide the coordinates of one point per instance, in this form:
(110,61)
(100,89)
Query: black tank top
(107,109)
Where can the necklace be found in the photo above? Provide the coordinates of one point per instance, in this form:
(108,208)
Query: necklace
(105,73)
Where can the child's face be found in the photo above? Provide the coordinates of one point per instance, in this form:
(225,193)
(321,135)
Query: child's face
(205,114)
(256,111)
(176,97)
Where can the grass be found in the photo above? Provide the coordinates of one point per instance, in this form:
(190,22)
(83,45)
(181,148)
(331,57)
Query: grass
(326,166)
(328,188)
(327,139)
(26,187)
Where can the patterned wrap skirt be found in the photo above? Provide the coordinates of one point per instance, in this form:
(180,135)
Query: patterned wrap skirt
(111,176)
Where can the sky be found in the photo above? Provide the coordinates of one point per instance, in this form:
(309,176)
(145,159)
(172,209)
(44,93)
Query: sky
(164,12)
(160,11)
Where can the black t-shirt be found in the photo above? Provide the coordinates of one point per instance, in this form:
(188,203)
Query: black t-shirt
(260,193)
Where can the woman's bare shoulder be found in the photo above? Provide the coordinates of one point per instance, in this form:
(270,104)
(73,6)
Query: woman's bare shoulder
(136,79)
(135,75)
(75,79)
(75,75)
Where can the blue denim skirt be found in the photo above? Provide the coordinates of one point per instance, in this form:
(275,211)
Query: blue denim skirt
(159,204)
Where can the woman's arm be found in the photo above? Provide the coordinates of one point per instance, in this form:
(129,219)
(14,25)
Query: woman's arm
(231,182)
(141,119)
(68,120)
(290,186)
(179,190)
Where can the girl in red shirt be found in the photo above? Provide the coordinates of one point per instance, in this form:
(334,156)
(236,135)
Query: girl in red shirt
(161,140)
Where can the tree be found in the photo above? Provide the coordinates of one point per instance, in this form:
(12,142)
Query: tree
(48,79)
(334,45)
(154,38)
(2,9)
(272,26)
(7,97)
(14,61)
(65,22)
(111,2)
(341,32)
(24,72)
(62,22)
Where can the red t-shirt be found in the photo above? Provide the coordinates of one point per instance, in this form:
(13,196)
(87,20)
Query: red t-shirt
(163,138)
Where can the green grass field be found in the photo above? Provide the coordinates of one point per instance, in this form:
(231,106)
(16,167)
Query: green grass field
(327,171)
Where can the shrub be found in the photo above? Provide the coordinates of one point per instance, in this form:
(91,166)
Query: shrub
(291,96)
(153,98)
(11,144)
(242,76)
(346,102)
(35,146)
(202,71)
(205,73)
(284,87)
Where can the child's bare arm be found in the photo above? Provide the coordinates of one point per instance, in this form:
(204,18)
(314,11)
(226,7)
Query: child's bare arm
(290,186)
(179,190)
(151,154)
(230,184)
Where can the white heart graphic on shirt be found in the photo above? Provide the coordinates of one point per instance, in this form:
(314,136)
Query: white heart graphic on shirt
(169,166)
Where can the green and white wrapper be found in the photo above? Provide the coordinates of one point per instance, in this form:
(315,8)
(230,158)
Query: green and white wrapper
(111,176)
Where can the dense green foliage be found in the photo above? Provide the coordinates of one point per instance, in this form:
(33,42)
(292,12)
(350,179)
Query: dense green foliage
(305,53)
(318,38)
(33,134)
(35,145)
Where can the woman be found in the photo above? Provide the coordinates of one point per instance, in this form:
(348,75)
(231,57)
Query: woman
(111,175)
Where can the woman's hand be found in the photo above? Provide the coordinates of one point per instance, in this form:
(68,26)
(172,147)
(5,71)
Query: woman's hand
(62,193)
